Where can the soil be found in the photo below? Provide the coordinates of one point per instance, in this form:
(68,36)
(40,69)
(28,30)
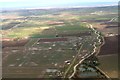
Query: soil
(14,43)
(111,26)
(110,46)
(109,23)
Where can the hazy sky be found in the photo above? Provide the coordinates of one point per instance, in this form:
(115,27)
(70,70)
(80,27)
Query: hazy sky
(52,3)
(58,0)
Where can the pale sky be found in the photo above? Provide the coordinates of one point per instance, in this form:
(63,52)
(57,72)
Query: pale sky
(58,0)
(52,3)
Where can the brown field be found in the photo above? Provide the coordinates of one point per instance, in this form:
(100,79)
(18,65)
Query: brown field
(108,55)
(23,72)
(10,16)
(109,23)
(107,27)
(110,47)
(109,64)
(14,43)
(111,26)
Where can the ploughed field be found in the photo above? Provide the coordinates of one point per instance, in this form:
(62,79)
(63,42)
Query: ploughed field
(110,46)
(14,43)
(108,56)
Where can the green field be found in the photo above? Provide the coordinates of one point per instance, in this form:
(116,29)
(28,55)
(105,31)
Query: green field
(48,58)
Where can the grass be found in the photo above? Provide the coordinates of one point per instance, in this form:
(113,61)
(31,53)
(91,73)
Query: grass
(42,36)
(72,26)
(70,68)
(24,32)
(31,42)
(34,29)
(37,19)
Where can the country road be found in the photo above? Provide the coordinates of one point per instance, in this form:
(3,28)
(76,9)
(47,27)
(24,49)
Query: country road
(85,57)
(94,50)
(112,19)
(16,26)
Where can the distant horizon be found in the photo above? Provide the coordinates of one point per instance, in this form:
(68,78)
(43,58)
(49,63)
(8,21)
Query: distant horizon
(63,5)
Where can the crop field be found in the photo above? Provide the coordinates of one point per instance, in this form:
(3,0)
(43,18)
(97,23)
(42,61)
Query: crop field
(40,43)
(30,26)
(43,55)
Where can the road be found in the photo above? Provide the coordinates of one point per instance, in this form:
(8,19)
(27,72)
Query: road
(87,56)
(15,26)
(94,51)
(73,61)
(113,19)
(83,56)
(18,24)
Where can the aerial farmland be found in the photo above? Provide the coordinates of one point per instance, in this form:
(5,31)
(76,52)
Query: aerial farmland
(58,42)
